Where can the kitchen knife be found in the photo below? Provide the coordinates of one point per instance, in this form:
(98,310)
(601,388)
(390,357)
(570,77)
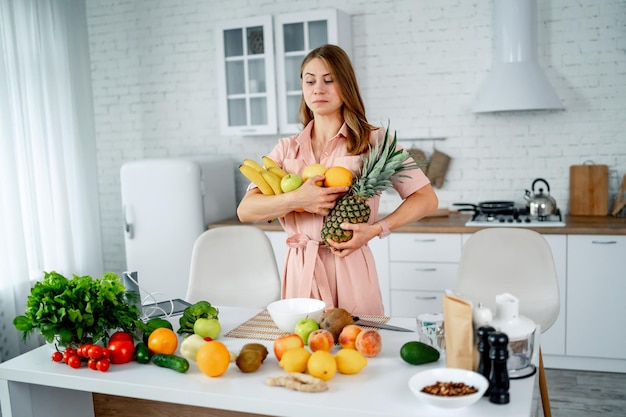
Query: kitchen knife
(368,323)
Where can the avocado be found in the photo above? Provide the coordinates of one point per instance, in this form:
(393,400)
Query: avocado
(418,353)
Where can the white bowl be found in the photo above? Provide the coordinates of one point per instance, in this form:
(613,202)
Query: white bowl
(432,376)
(286,313)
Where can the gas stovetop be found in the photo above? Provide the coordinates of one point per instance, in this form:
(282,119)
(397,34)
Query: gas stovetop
(515,218)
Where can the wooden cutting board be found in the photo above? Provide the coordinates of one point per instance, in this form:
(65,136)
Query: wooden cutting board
(589,190)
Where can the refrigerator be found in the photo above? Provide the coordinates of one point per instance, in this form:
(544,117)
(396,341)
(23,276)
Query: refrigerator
(167,204)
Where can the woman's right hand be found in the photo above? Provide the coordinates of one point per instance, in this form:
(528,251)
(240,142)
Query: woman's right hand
(318,199)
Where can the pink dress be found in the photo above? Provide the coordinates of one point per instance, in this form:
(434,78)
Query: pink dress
(311,269)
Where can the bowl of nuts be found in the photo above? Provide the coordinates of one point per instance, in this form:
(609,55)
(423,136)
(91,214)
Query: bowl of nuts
(448,387)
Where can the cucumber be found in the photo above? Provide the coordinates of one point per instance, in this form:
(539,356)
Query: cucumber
(174,362)
(418,353)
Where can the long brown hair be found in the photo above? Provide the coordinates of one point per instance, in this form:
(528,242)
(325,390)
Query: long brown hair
(353,109)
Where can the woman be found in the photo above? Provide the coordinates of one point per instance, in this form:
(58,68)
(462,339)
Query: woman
(336,132)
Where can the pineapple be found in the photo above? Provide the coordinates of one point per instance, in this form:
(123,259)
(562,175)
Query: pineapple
(379,171)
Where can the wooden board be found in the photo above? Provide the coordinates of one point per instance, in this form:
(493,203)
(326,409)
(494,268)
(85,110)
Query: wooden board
(589,190)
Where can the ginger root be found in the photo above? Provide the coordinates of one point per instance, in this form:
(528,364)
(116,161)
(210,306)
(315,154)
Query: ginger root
(299,382)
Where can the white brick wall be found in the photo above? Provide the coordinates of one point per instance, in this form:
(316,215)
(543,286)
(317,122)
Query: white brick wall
(420,64)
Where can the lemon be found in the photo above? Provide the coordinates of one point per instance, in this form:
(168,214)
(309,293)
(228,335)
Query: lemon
(350,361)
(322,365)
(295,360)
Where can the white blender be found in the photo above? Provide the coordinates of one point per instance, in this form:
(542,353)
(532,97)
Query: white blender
(519,329)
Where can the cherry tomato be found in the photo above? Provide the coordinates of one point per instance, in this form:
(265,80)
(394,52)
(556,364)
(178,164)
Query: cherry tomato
(103,364)
(121,351)
(57,356)
(71,351)
(95,352)
(92,364)
(74,361)
(121,336)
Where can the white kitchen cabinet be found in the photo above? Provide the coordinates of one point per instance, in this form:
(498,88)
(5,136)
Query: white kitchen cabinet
(247,90)
(596,266)
(296,34)
(380,250)
(421,267)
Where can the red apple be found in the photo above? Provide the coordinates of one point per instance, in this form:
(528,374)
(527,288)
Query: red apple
(283,343)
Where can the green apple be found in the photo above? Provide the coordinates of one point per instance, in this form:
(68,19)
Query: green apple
(207,328)
(305,327)
(290,182)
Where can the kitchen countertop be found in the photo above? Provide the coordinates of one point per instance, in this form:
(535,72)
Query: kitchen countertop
(34,383)
(455,223)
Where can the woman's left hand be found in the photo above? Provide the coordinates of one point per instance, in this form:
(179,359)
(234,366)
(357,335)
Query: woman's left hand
(361,234)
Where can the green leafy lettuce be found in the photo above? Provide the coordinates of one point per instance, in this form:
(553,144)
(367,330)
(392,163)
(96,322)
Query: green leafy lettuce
(79,310)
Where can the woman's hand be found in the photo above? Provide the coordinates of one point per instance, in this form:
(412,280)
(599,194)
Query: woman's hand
(316,199)
(361,234)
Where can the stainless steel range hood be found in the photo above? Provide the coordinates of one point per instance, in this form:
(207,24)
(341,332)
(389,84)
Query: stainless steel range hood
(516,81)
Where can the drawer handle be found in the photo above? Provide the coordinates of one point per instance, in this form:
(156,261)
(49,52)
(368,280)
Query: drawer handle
(417,297)
(426,269)
(424,240)
(599,242)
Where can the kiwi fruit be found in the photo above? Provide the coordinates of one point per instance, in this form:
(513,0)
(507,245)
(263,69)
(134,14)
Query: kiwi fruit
(258,347)
(334,320)
(249,360)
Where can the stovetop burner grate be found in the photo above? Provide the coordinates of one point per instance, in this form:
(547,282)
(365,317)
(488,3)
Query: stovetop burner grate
(516,217)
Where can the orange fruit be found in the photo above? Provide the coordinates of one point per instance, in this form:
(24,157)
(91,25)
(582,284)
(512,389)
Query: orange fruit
(338,176)
(213,358)
(163,340)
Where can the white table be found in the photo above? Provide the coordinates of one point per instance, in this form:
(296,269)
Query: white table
(32,385)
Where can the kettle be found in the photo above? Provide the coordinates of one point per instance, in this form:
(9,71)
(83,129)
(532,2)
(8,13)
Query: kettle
(540,204)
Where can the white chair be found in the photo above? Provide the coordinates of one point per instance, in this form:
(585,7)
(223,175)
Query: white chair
(518,261)
(233,266)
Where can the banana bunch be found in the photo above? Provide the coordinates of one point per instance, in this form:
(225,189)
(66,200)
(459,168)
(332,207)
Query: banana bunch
(267,176)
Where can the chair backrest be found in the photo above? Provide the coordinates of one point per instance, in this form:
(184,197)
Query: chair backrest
(233,266)
(514,260)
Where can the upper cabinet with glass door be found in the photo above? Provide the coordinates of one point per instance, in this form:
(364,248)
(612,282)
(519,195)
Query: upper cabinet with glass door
(296,35)
(246,77)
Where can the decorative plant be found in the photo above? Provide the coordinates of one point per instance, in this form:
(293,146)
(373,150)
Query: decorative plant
(79,310)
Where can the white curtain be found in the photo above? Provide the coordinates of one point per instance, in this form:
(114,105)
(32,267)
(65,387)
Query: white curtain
(49,215)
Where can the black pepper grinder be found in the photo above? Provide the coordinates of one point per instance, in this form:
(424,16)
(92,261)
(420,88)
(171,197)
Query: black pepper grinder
(499,380)
(484,363)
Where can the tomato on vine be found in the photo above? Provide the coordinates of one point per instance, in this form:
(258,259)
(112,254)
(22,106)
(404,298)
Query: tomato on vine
(92,364)
(103,365)
(74,361)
